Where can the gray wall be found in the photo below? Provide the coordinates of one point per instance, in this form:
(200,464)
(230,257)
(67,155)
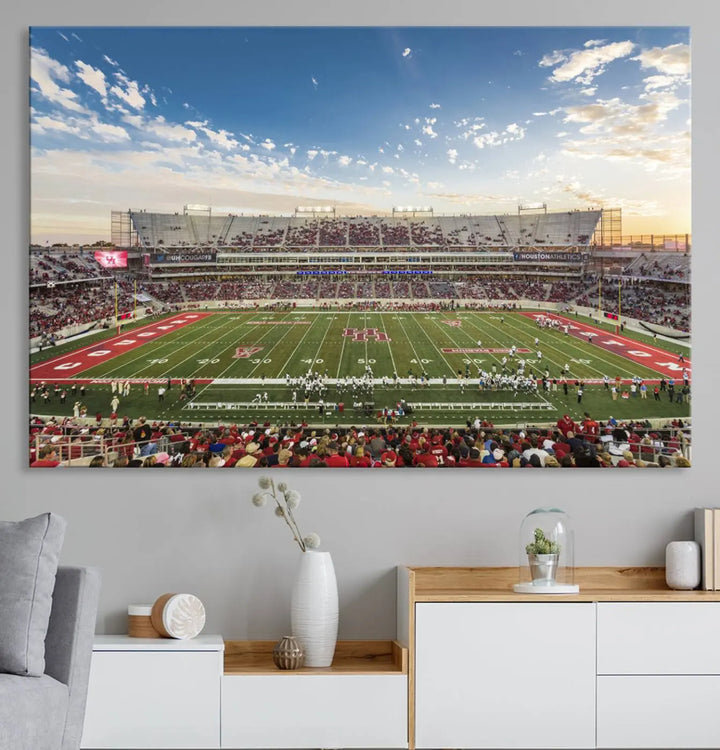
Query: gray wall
(198,532)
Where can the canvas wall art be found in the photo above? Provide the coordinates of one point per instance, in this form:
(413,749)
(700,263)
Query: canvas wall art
(376,247)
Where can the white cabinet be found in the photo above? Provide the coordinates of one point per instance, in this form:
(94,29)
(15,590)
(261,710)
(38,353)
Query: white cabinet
(658,675)
(492,675)
(658,711)
(154,693)
(310,711)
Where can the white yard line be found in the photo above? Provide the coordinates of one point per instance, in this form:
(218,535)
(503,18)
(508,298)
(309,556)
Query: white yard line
(292,354)
(342,349)
(270,328)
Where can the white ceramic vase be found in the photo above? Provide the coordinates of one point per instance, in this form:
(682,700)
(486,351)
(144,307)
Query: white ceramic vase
(682,565)
(314,608)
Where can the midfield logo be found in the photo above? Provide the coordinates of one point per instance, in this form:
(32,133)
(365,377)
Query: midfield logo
(243,352)
(454,323)
(363,334)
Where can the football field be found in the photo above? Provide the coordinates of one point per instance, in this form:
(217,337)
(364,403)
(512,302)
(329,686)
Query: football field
(249,365)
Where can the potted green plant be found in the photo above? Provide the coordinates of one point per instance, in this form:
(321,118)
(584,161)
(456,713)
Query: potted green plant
(543,555)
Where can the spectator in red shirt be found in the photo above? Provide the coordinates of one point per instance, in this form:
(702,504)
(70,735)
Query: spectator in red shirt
(333,458)
(565,425)
(48,457)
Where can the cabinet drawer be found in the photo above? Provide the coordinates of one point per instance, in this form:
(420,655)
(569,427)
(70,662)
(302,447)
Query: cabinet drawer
(310,711)
(153,700)
(658,638)
(658,712)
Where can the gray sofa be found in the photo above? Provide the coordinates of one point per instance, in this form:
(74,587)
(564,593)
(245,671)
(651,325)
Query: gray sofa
(47,712)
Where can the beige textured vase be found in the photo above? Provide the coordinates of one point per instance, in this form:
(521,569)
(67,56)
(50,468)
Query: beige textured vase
(288,653)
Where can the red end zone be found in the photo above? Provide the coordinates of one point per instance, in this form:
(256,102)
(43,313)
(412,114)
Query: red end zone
(650,356)
(66,366)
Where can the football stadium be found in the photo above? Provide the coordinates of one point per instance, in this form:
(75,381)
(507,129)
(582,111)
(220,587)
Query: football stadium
(411,338)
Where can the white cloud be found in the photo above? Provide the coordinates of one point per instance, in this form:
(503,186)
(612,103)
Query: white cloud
(584,65)
(594,42)
(345,161)
(400,147)
(673,60)
(267,144)
(128,91)
(92,77)
(314,82)
(110,133)
(406,52)
(434,106)
(221,138)
(159,127)
(63,36)
(45,72)
(518,53)
(552,58)
(417,142)
(111,61)
(552,112)
(153,100)
(513,132)
(45,124)
(589,91)
(311,154)
(428,130)
(452,155)
(388,170)
(618,118)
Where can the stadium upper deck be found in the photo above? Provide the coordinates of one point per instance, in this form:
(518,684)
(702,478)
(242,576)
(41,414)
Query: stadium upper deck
(569,230)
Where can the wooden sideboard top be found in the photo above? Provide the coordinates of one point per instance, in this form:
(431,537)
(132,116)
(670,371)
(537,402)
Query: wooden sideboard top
(632,584)
(351,657)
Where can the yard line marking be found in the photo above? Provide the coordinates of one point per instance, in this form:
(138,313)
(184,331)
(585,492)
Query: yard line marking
(292,353)
(232,363)
(51,370)
(342,348)
(158,352)
(447,361)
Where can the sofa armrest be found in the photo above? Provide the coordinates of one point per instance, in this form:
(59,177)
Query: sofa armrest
(68,645)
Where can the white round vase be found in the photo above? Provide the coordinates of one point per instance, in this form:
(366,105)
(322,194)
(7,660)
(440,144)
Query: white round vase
(682,565)
(314,608)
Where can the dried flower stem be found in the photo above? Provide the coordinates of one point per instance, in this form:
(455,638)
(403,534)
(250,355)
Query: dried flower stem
(288,516)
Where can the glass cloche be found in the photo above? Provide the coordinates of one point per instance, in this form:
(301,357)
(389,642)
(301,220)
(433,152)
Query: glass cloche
(546,553)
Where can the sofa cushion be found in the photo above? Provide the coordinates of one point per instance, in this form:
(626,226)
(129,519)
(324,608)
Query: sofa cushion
(29,552)
(32,712)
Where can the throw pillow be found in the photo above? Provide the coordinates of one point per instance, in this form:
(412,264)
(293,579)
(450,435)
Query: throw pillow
(29,553)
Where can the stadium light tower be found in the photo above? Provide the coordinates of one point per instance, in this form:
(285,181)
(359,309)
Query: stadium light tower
(315,211)
(532,207)
(412,211)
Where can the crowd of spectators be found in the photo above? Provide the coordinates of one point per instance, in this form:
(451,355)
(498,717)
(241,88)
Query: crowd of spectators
(77,303)
(657,302)
(666,267)
(54,267)
(586,443)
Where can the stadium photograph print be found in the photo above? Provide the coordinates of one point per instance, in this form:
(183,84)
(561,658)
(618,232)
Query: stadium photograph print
(436,247)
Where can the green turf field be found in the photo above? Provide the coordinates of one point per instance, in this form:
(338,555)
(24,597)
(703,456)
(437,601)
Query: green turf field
(341,344)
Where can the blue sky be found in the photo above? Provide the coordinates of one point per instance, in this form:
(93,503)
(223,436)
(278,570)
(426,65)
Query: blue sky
(261,120)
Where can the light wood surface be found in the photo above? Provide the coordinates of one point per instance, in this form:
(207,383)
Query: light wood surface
(635,584)
(351,657)
(140,626)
